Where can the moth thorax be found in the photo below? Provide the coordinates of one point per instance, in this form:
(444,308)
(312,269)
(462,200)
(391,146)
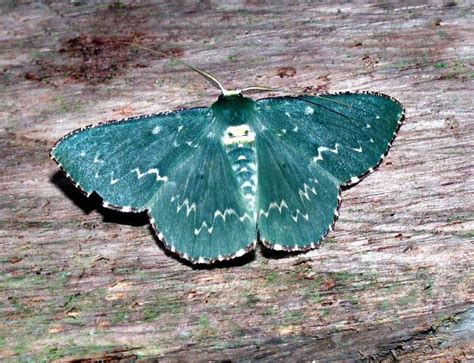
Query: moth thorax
(241,134)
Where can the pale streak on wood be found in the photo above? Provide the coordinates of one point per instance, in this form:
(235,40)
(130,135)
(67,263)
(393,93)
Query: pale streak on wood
(398,264)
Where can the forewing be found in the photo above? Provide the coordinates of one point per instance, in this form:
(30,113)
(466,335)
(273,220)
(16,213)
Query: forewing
(127,161)
(347,134)
(200,212)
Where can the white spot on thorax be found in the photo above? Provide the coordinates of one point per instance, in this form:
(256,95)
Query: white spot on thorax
(238,135)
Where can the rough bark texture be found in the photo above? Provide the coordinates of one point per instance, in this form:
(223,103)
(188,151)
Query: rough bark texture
(394,280)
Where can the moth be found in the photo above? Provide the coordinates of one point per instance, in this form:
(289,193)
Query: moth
(216,180)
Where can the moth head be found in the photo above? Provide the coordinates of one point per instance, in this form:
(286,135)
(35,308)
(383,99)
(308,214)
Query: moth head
(240,134)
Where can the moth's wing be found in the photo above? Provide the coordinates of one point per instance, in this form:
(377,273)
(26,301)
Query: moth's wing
(169,165)
(307,148)
(201,212)
(347,134)
(296,200)
(127,161)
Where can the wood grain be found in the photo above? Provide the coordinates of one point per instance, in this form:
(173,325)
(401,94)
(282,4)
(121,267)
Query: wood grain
(394,280)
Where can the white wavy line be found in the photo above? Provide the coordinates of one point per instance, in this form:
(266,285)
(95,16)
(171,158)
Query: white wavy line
(274,205)
(150,171)
(189,207)
(322,149)
(197,231)
(219,214)
(298,212)
(227,212)
(305,193)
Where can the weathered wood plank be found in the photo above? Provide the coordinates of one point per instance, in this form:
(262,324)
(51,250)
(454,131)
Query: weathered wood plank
(393,281)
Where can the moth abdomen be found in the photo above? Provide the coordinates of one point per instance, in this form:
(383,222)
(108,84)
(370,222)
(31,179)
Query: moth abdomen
(239,143)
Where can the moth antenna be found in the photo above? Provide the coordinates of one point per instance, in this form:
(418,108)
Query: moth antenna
(263,89)
(205,75)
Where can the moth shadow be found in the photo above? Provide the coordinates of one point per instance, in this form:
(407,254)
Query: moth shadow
(94,202)
(277,255)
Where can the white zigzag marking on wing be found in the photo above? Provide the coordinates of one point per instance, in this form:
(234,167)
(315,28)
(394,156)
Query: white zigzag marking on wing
(358,149)
(280,207)
(223,215)
(322,149)
(204,224)
(298,212)
(190,144)
(304,192)
(97,160)
(274,205)
(189,207)
(150,171)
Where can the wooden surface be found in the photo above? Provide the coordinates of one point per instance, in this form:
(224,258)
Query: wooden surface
(394,280)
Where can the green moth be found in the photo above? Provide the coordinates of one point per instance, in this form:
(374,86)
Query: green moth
(215,180)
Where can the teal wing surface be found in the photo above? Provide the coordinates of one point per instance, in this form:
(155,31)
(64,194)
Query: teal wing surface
(168,165)
(307,148)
